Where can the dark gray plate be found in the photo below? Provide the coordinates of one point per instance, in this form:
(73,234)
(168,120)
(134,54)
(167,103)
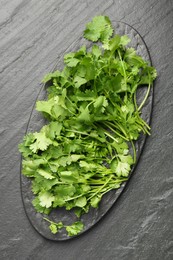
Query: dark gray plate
(36,121)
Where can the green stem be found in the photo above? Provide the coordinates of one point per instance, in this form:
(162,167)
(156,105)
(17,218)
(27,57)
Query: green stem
(51,222)
(76,197)
(125,76)
(145,98)
(75,131)
(72,102)
(114,131)
(144,123)
(100,188)
(135,103)
(134,151)
(109,135)
(120,128)
(113,181)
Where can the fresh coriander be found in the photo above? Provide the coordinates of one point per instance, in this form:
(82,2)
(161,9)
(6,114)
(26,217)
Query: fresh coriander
(83,152)
(72,230)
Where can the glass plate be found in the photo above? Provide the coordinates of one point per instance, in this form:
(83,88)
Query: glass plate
(36,121)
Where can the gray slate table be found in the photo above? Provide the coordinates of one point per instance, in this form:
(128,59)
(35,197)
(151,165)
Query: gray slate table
(33,34)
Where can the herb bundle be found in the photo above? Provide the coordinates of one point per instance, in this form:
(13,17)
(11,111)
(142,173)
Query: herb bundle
(83,152)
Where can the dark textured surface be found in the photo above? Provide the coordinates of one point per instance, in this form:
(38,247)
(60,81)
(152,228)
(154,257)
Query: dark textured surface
(33,34)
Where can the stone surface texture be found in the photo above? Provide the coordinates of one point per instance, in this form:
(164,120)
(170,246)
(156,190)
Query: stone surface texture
(33,35)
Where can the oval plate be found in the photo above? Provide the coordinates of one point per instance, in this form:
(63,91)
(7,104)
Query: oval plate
(36,121)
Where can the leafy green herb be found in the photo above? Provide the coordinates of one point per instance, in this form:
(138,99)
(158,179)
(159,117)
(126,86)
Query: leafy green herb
(94,119)
(72,230)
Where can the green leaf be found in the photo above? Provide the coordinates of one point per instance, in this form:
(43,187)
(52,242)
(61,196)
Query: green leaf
(88,166)
(54,129)
(24,146)
(98,29)
(53,228)
(84,115)
(68,177)
(95,201)
(112,44)
(50,76)
(75,228)
(65,190)
(45,106)
(126,158)
(70,60)
(122,166)
(38,207)
(46,198)
(81,202)
(78,81)
(120,146)
(96,51)
(40,183)
(45,174)
(101,101)
(124,40)
(123,169)
(88,95)
(41,142)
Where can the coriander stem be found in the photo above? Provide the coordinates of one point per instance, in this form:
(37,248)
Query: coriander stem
(134,151)
(135,102)
(144,123)
(100,188)
(76,197)
(75,131)
(145,98)
(48,220)
(120,128)
(106,133)
(125,76)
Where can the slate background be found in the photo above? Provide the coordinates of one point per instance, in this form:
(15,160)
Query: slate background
(33,34)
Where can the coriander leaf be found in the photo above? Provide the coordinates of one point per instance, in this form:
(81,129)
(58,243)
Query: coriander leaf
(45,174)
(101,102)
(126,158)
(70,60)
(46,199)
(112,44)
(78,81)
(24,146)
(38,207)
(41,142)
(45,106)
(84,115)
(65,190)
(90,69)
(81,202)
(50,76)
(53,228)
(54,129)
(98,29)
(123,169)
(124,40)
(75,228)
(68,177)
(88,95)
(95,201)
(40,183)
(96,51)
